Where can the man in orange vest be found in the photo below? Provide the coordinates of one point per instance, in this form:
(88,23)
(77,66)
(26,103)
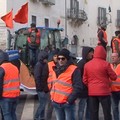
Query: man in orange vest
(116,85)
(9,87)
(49,70)
(102,36)
(66,86)
(33,44)
(116,42)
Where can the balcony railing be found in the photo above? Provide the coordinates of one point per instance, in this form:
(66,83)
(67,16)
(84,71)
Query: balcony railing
(80,15)
(48,2)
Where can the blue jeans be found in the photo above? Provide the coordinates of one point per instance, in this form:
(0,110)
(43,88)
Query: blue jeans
(64,111)
(40,113)
(8,106)
(2,117)
(33,55)
(82,103)
(115,105)
(49,110)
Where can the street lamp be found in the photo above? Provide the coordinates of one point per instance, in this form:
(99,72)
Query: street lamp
(109,15)
(65,18)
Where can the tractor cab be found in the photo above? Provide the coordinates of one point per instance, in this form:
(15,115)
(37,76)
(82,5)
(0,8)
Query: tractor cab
(50,38)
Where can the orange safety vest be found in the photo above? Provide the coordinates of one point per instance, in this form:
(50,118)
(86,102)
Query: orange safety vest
(11,83)
(113,44)
(62,85)
(37,41)
(105,36)
(50,80)
(115,85)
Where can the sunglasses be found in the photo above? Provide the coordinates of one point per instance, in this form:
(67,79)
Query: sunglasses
(61,58)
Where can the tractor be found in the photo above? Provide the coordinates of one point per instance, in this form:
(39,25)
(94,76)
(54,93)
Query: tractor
(50,38)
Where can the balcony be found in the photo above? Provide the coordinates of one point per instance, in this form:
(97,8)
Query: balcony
(34,1)
(82,15)
(71,14)
(48,2)
(79,15)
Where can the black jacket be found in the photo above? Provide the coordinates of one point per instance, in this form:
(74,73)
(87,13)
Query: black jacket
(41,83)
(81,64)
(2,73)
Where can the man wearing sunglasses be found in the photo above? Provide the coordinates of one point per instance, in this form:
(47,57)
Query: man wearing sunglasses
(66,86)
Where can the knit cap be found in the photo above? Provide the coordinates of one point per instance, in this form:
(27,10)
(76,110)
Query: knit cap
(55,52)
(65,53)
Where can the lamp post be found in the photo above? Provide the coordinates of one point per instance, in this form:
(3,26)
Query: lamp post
(108,14)
(65,18)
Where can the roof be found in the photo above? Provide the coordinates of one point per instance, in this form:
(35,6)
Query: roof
(46,28)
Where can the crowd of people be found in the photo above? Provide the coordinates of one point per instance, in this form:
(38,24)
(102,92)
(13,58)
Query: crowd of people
(60,82)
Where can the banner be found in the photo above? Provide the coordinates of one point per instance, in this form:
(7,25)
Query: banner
(8,19)
(22,15)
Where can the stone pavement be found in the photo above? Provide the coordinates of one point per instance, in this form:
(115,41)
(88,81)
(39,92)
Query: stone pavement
(28,105)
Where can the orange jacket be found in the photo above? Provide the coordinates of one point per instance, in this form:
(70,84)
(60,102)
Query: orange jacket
(37,41)
(105,36)
(11,83)
(50,68)
(115,86)
(113,45)
(62,85)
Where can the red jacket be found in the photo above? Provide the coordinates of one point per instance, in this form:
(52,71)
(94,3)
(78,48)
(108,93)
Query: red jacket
(97,74)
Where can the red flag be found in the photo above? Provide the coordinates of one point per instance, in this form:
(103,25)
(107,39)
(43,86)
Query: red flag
(8,19)
(22,15)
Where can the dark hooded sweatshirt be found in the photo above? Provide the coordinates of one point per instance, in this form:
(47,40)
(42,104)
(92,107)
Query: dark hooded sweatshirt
(41,84)
(81,64)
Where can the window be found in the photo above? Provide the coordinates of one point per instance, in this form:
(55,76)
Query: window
(33,19)
(118,18)
(102,15)
(74,8)
(46,22)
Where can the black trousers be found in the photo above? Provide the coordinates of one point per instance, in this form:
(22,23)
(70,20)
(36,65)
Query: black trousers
(94,102)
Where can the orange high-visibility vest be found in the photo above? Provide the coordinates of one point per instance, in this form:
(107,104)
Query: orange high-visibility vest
(37,41)
(105,36)
(113,44)
(62,85)
(11,83)
(115,86)
(50,79)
